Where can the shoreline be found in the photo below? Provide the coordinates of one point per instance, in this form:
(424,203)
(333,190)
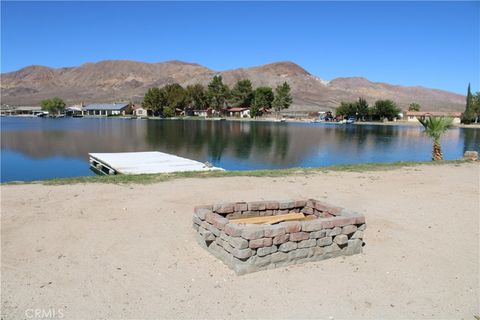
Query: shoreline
(276,120)
(161,177)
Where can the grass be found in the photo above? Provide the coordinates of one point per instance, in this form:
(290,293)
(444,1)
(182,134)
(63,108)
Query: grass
(153,178)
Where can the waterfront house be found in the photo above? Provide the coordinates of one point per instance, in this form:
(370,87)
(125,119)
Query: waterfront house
(139,111)
(203,113)
(239,112)
(75,110)
(414,115)
(106,109)
(265,112)
(6,110)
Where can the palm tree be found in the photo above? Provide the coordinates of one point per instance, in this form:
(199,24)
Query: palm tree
(434,128)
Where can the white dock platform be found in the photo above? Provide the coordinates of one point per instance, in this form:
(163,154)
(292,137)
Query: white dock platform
(144,162)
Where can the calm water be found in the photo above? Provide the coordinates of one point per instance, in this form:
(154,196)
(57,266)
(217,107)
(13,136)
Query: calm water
(36,148)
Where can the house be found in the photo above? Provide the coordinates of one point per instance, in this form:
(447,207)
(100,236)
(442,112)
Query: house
(203,113)
(413,115)
(106,109)
(238,112)
(139,111)
(74,111)
(21,111)
(265,112)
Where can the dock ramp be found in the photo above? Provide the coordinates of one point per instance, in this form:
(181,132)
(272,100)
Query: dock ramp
(144,163)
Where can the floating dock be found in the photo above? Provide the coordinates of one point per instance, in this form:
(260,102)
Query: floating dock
(144,163)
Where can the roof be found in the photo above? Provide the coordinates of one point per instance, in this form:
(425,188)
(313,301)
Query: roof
(237,109)
(433,113)
(22,108)
(106,106)
(75,107)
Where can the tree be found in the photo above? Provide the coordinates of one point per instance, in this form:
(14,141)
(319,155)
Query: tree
(154,100)
(414,107)
(175,98)
(476,105)
(197,97)
(262,98)
(54,105)
(386,109)
(254,110)
(242,94)
(358,109)
(282,99)
(434,128)
(469,115)
(217,93)
(346,109)
(362,109)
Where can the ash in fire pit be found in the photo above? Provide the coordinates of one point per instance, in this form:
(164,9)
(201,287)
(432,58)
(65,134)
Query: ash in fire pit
(261,235)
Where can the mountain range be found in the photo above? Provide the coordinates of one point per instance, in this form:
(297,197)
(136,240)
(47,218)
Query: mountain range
(123,80)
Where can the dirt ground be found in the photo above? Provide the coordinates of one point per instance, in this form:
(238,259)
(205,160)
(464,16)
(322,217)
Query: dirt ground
(128,251)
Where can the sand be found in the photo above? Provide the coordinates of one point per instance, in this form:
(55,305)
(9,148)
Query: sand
(128,251)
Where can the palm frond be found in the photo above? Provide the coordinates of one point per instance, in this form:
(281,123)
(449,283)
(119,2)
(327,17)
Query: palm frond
(436,126)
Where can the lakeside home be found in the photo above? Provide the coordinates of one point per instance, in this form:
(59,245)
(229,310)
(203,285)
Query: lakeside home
(239,112)
(203,113)
(75,110)
(412,116)
(139,111)
(106,109)
(21,111)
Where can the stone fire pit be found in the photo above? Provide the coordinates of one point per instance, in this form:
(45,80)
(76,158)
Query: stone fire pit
(325,232)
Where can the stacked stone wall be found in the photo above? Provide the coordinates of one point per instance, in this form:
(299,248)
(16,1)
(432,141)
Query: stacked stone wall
(329,232)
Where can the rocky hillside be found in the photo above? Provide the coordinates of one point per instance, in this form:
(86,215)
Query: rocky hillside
(128,80)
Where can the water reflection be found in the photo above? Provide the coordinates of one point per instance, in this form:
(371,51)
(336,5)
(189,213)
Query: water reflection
(471,139)
(228,144)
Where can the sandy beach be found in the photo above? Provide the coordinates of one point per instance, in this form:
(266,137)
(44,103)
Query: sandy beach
(108,251)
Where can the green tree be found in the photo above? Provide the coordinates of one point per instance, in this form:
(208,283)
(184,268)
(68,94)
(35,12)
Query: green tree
(262,98)
(154,100)
(175,98)
(362,109)
(242,94)
(254,110)
(346,109)
(217,93)
(414,107)
(385,109)
(434,128)
(282,99)
(469,114)
(476,105)
(54,105)
(358,109)
(197,96)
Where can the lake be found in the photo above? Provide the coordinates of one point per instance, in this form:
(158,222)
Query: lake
(39,148)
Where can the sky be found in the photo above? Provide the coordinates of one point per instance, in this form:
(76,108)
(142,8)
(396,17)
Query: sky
(432,44)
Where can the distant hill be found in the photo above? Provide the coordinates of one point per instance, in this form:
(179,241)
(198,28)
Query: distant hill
(116,80)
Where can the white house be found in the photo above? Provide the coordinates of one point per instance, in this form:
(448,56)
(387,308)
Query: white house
(203,113)
(239,112)
(139,111)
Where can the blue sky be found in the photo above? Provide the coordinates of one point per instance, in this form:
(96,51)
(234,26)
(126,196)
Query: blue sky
(433,44)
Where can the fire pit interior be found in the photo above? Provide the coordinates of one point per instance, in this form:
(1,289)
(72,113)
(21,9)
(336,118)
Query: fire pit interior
(254,236)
